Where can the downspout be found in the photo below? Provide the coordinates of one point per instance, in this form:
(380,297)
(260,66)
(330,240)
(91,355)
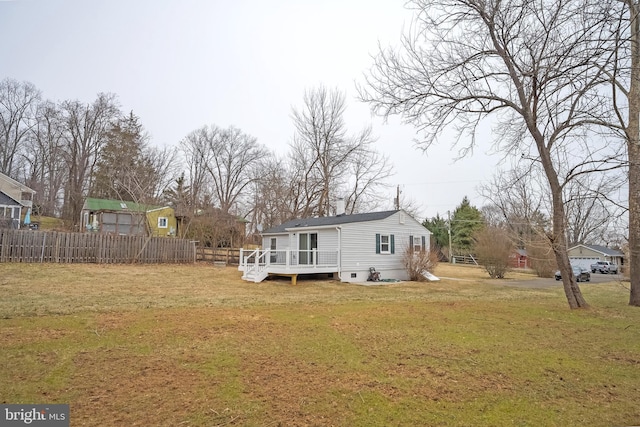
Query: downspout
(339,228)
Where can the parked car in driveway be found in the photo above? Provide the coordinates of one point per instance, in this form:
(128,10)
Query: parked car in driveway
(604,267)
(582,274)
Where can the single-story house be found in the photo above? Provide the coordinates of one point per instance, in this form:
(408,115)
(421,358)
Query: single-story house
(344,246)
(585,255)
(127,218)
(14,198)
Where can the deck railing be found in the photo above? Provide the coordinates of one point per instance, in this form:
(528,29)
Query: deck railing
(291,259)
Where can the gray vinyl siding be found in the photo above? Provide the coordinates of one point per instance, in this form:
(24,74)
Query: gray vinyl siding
(282,242)
(359,245)
(327,240)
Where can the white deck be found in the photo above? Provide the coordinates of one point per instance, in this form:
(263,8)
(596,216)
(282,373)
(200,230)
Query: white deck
(258,264)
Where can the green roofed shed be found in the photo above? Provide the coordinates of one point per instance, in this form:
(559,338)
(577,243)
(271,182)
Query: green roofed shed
(125,217)
(116,205)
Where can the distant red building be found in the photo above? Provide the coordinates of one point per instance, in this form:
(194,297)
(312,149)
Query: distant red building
(519,259)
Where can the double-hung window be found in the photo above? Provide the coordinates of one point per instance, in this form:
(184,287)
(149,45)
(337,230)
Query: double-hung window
(385,244)
(417,243)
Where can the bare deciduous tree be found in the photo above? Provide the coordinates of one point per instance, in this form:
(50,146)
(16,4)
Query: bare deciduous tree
(519,197)
(196,155)
(163,166)
(18,103)
(623,71)
(519,202)
(222,166)
(86,127)
(365,189)
(322,150)
(592,207)
(273,194)
(526,66)
(328,163)
(233,159)
(45,169)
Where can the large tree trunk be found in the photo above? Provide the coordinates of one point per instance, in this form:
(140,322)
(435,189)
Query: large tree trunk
(633,141)
(559,244)
(634,220)
(559,236)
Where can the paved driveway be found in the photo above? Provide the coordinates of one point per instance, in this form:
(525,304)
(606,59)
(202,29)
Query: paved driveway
(540,282)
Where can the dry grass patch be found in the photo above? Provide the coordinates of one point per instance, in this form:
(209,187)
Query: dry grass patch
(43,289)
(477,273)
(197,346)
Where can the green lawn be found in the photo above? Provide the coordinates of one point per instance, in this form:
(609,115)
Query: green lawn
(196,346)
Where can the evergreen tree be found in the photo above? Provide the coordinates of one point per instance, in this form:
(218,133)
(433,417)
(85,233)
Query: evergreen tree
(466,220)
(123,171)
(439,231)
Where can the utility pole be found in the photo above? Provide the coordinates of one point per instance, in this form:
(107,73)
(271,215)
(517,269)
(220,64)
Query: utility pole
(449,231)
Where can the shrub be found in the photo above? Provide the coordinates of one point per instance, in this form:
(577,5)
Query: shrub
(415,262)
(494,250)
(541,256)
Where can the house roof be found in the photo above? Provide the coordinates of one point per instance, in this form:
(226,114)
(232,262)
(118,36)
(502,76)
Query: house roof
(329,220)
(116,205)
(7,200)
(603,250)
(15,184)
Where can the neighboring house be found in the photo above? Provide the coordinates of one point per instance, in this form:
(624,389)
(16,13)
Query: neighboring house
(14,198)
(345,246)
(519,259)
(585,255)
(127,218)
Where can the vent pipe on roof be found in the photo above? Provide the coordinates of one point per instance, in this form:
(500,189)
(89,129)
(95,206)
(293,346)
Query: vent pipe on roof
(340,207)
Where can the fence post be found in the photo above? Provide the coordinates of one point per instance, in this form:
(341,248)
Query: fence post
(44,241)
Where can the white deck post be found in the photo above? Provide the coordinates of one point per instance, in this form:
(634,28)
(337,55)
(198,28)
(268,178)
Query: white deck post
(257,261)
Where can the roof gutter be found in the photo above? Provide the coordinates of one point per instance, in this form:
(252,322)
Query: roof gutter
(301,228)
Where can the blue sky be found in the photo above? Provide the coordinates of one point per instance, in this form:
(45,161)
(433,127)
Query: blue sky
(182,64)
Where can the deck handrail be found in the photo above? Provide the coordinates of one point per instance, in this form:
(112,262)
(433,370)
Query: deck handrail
(260,259)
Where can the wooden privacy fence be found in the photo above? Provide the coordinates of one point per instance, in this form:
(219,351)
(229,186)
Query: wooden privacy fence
(62,247)
(226,256)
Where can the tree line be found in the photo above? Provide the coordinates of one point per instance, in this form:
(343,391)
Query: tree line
(516,218)
(69,150)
